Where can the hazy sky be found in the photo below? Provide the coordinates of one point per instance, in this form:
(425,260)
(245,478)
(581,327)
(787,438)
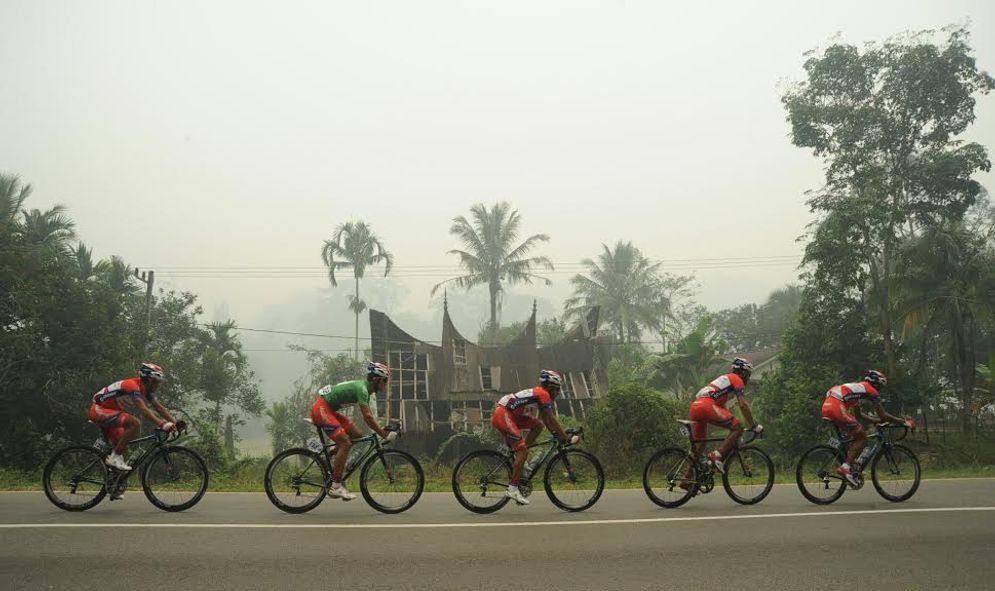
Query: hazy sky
(186,135)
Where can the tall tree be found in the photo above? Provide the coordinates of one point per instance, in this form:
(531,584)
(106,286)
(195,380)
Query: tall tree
(885,118)
(490,256)
(12,197)
(225,378)
(52,229)
(683,368)
(355,246)
(632,292)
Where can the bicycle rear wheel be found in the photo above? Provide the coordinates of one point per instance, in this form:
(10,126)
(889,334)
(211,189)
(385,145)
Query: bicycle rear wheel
(749,475)
(895,473)
(671,477)
(175,479)
(574,480)
(295,480)
(480,480)
(74,478)
(816,475)
(392,481)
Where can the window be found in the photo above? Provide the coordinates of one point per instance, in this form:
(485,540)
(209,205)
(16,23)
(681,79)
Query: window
(459,351)
(485,378)
(409,376)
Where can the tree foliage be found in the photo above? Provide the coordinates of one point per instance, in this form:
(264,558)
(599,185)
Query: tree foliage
(490,256)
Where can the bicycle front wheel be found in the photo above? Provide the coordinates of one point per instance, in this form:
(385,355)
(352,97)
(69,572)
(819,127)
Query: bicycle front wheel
(574,480)
(74,478)
(392,481)
(749,475)
(670,477)
(480,480)
(175,479)
(895,473)
(816,475)
(295,480)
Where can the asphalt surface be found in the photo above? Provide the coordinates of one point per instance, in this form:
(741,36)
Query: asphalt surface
(943,538)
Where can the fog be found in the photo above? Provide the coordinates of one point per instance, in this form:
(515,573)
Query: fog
(220,143)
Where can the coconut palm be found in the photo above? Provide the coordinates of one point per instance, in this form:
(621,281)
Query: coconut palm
(632,292)
(52,228)
(355,246)
(12,197)
(683,368)
(491,257)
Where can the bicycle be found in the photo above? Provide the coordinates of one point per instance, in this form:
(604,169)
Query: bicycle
(897,479)
(573,479)
(391,481)
(748,477)
(174,478)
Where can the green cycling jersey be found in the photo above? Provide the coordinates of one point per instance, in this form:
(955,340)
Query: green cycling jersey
(346,394)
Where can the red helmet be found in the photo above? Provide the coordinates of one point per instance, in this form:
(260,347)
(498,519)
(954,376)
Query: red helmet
(152,371)
(377,370)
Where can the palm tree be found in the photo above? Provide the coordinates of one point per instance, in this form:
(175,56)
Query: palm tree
(281,425)
(631,291)
(491,257)
(12,197)
(682,369)
(52,228)
(355,246)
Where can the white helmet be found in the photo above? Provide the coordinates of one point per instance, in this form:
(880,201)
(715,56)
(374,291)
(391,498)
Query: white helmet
(377,370)
(548,376)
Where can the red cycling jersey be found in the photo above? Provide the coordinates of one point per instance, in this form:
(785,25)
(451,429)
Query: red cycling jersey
(522,402)
(852,394)
(721,387)
(123,393)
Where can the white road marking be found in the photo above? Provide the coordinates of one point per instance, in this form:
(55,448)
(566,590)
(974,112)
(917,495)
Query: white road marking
(479,524)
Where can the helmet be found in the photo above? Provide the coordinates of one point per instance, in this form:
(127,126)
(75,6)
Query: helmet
(548,376)
(742,365)
(152,371)
(876,378)
(377,370)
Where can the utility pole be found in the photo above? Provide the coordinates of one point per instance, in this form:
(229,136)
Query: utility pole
(149,280)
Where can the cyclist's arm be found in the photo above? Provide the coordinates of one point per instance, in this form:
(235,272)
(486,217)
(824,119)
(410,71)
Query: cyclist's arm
(159,408)
(372,420)
(148,413)
(881,412)
(553,424)
(744,406)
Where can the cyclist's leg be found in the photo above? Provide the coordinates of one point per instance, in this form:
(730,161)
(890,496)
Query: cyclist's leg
(727,420)
(533,425)
(505,423)
(132,427)
(837,412)
(324,417)
(112,423)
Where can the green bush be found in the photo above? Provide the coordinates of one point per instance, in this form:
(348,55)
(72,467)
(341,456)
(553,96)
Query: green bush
(628,424)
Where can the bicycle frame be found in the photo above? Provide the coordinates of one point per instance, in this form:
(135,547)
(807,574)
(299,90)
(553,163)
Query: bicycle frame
(328,445)
(553,446)
(841,442)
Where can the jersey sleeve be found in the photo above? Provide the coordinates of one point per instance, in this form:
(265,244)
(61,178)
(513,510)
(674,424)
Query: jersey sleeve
(362,394)
(545,400)
(738,385)
(872,393)
(133,390)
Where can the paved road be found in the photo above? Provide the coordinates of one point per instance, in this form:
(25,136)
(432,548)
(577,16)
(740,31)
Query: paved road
(943,538)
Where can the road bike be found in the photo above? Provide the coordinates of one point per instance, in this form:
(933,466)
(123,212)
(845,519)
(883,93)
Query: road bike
(673,475)
(573,478)
(173,477)
(895,469)
(297,479)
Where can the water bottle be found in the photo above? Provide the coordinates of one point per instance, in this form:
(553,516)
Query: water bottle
(867,453)
(354,457)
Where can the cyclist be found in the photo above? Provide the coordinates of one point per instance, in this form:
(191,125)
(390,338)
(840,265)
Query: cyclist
(844,397)
(709,407)
(515,412)
(118,426)
(325,414)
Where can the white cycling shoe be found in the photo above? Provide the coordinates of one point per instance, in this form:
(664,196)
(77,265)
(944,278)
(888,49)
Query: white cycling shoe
(338,491)
(117,461)
(516,495)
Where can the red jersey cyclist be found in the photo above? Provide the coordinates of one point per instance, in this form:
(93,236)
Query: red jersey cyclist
(109,404)
(515,412)
(325,414)
(709,407)
(844,397)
